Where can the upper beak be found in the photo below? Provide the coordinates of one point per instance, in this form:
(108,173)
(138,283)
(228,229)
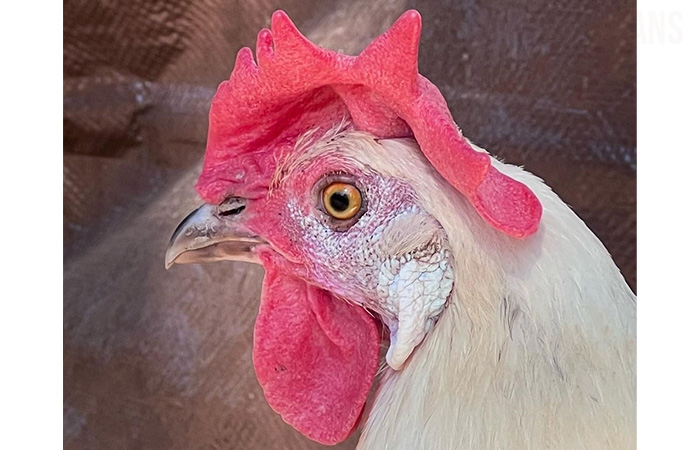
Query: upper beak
(213,233)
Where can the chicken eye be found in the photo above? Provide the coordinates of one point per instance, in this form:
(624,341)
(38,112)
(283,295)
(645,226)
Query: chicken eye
(341,200)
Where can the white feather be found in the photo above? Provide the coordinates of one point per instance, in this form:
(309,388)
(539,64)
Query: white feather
(537,347)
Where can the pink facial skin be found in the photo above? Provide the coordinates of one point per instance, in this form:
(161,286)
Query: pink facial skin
(314,343)
(343,261)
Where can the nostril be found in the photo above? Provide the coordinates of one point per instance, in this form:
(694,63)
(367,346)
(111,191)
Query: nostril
(231,212)
(231,207)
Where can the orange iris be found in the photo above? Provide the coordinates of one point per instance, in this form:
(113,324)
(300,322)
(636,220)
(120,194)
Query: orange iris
(342,200)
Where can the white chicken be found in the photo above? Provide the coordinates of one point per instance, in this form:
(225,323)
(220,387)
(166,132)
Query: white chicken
(509,325)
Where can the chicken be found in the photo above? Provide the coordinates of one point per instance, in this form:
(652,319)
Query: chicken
(508,324)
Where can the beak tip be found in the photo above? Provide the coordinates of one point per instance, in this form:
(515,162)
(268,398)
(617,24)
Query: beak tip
(169,259)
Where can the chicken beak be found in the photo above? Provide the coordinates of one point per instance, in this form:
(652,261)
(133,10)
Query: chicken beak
(213,233)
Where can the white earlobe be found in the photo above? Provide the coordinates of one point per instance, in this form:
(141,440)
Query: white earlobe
(417,293)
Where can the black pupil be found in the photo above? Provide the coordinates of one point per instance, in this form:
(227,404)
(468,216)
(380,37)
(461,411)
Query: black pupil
(339,201)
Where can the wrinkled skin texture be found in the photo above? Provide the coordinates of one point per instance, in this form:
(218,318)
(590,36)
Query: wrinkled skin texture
(392,258)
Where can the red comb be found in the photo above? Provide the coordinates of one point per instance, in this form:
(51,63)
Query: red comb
(258,114)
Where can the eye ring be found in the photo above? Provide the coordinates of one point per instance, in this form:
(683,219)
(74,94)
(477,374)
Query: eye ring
(341,200)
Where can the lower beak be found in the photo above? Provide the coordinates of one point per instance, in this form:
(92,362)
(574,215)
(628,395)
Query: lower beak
(213,233)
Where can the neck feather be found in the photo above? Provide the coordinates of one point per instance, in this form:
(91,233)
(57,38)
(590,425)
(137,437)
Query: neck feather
(536,349)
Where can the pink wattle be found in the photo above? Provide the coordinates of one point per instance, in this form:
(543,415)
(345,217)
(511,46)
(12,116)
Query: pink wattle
(315,356)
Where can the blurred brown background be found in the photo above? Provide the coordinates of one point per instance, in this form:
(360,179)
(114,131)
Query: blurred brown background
(156,359)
